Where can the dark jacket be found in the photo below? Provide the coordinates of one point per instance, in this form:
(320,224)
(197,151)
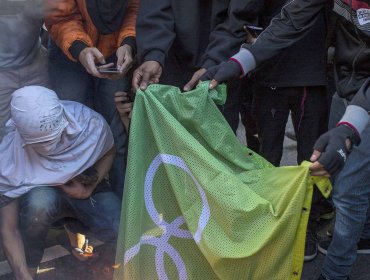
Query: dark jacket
(184,36)
(301,64)
(20,24)
(352,38)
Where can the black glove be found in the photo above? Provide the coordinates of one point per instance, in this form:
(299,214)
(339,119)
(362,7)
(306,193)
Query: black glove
(223,72)
(333,148)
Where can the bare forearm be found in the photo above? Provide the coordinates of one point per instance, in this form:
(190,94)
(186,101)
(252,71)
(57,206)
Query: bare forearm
(103,166)
(12,242)
(14,252)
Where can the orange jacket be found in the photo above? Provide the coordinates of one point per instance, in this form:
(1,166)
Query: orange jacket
(69,21)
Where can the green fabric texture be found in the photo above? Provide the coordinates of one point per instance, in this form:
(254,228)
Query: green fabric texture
(200,205)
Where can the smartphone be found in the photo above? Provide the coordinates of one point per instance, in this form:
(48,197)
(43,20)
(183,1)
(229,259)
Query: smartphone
(110,70)
(255,31)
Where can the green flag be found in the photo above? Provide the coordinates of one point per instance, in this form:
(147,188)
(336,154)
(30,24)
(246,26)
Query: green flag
(198,204)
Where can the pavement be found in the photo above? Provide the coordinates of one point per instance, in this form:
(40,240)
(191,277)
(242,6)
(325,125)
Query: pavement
(59,264)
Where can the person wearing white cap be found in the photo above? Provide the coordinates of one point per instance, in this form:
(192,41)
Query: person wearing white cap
(47,145)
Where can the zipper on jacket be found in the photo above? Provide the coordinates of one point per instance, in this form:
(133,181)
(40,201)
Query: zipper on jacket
(363,46)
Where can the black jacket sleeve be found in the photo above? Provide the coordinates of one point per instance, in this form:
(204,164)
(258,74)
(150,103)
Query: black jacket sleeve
(154,30)
(362,97)
(357,113)
(227,36)
(297,17)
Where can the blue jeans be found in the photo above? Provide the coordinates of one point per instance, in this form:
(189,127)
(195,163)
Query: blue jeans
(351,197)
(71,82)
(42,206)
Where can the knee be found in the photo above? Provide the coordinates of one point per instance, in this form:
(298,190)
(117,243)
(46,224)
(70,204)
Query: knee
(38,206)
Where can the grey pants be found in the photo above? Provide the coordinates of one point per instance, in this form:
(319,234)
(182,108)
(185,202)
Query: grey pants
(35,73)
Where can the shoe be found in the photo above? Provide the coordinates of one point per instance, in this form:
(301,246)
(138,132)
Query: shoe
(363,247)
(326,210)
(310,250)
(323,247)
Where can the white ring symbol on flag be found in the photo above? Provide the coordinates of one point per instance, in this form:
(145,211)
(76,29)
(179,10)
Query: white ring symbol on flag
(169,229)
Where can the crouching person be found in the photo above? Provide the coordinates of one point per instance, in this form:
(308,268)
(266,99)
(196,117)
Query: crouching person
(57,155)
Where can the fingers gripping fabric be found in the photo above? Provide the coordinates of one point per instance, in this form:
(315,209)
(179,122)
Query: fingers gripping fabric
(198,204)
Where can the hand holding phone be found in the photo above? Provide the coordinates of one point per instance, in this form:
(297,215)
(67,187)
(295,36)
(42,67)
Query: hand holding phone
(252,33)
(109,70)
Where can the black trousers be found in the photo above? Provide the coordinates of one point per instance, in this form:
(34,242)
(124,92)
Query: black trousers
(309,111)
(308,108)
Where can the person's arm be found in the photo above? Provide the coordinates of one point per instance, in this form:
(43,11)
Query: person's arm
(12,241)
(124,107)
(76,189)
(227,36)
(296,19)
(126,43)
(332,148)
(64,22)
(155,29)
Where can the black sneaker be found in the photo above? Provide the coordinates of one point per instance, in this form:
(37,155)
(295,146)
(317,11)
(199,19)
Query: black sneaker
(363,247)
(326,210)
(323,246)
(310,250)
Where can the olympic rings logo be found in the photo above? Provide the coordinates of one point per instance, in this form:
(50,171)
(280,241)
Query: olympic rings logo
(169,229)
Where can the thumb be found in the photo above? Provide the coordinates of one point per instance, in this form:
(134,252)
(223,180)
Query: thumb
(315,155)
(136,79)
(98,55)
(195,79)
(213,84)
(120,59)
(190,85)
(145,80)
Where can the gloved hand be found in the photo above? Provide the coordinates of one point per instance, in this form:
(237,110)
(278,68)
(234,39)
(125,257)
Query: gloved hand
(222,73)
(332,149)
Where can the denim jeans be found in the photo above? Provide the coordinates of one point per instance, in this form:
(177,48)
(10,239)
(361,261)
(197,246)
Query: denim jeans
(42,206)
(71,82)
(351,195)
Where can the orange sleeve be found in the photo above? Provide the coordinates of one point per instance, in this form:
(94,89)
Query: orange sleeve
(128,28)
(64,22)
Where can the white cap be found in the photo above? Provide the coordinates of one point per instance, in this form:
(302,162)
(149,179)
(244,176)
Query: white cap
(37,114)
